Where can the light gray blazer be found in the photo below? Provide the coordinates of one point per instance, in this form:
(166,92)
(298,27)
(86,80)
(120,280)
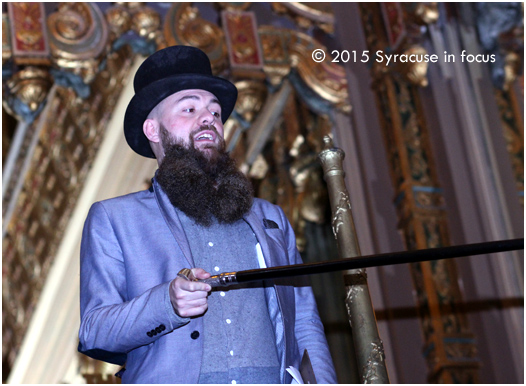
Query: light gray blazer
(132,247)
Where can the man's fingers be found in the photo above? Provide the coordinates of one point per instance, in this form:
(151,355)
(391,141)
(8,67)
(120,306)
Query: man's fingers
(186,312)
(189,297)
(200,273)
(192,286)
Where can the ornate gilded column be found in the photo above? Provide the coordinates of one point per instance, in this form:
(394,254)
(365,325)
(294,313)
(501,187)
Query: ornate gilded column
(449,346)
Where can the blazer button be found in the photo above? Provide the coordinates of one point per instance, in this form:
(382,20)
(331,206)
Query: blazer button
(162,327)
(194,335)
(149,333)
(158,330)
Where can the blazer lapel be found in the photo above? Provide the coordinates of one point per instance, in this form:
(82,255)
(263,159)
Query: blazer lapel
(172,220)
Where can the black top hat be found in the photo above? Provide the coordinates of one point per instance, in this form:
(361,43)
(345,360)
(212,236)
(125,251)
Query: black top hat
(164,73)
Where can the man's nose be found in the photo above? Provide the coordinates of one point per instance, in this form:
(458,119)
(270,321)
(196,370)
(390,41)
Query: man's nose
(207,117)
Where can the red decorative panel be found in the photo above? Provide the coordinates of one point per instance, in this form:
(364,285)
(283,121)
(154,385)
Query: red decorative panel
(28,32)
(244,49)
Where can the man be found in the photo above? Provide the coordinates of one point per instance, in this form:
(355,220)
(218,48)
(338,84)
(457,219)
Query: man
(200,214)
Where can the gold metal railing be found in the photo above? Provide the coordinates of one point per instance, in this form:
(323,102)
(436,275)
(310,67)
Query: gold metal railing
(367,343)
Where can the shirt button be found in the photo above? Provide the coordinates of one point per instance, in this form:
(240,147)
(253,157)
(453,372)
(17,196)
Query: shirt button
(222,293)
(228,321)
(231,352)
(234,382)
(211,244)
(216,269)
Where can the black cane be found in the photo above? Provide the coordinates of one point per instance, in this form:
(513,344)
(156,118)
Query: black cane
(230,278)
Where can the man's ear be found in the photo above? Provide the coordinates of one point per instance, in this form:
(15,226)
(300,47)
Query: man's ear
(150,127)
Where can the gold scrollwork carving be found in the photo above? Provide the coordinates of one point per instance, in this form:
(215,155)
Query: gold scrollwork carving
(78,37)
(183,25)
(284,49)
(326,79)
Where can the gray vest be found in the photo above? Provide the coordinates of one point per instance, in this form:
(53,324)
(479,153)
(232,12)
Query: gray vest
(239,342)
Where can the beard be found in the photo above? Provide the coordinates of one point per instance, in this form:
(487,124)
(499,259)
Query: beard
(204,184)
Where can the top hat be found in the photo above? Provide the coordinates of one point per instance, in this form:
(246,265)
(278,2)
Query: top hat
(164,73)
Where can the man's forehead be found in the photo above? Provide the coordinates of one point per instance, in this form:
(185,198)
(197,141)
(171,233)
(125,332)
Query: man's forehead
(196,94)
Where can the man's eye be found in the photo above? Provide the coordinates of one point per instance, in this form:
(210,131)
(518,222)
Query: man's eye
(189,110)
(216,114)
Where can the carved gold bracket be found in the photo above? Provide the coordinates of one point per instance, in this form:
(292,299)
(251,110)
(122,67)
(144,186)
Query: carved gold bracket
(184,25)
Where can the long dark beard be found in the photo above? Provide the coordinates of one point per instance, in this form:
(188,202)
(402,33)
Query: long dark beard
(204,186)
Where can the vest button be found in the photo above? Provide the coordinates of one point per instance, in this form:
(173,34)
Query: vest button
(194,335)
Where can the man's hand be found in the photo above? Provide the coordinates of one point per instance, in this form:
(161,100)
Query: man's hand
(189,298)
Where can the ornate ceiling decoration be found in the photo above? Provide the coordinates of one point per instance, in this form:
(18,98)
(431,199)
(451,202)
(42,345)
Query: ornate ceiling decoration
(78,38)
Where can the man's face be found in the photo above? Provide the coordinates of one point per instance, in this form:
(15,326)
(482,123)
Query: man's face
(190,116)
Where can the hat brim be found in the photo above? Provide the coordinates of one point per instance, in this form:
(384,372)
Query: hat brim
(150,96)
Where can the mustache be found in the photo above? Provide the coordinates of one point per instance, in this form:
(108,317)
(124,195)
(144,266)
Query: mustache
(203,128)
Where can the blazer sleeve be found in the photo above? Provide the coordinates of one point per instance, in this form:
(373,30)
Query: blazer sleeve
(309,329)
(111,324)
